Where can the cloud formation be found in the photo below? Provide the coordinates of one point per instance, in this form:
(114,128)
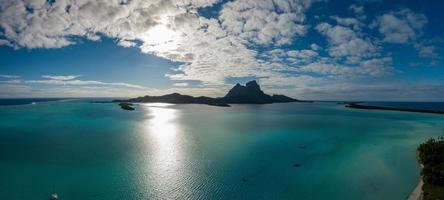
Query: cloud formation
(8,76)
(61,78)
(265,22)
(245,38)
(402,26)
(72,80)
(344,42)
(210,50)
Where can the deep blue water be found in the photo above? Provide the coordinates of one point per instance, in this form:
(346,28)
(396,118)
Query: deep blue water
(86,150)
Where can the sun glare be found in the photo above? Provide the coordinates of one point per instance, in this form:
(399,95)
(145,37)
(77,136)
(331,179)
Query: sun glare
(162,132)
(161,125)
(161,38)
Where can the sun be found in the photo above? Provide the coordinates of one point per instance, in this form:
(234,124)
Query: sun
(161,38)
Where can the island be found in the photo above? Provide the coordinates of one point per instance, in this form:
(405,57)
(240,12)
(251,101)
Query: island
(368,107)
(250,93)
(431,158)
(126,106)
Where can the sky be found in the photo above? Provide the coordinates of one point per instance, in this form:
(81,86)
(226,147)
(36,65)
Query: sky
(375,50)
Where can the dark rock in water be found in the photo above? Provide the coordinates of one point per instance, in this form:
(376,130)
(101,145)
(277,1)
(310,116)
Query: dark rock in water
(244,179)
(219,104)
(296,165)
(251,93)
(126,106)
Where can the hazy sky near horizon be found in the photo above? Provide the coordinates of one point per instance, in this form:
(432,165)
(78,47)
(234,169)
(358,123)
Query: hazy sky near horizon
(308,49)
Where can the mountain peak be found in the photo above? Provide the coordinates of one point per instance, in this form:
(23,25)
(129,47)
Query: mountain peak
(253,85)
(253,82)
(251,93)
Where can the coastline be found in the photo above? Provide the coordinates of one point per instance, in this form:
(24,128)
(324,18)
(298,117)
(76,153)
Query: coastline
(367,107)
(417,192)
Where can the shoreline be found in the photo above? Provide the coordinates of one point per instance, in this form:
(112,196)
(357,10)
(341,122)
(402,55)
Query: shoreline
(367,107)
(416,194)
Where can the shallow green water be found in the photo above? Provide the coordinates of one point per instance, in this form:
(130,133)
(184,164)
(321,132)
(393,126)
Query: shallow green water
(99,151)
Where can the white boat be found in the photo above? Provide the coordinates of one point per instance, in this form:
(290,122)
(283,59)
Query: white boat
(54,196)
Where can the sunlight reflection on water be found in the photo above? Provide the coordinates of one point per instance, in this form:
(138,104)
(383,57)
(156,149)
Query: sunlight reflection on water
(162,132)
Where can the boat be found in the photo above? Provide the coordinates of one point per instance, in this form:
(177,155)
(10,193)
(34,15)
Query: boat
(54,196)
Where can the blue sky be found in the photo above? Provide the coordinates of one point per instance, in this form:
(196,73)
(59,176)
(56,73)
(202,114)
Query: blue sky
(307,49)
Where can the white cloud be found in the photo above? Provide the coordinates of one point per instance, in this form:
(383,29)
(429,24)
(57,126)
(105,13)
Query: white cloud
(265,22)
(180,84)
(61,78)
(297,81)
(344,42)
(71,80)
(14,90)
(304,56)
(302,53)
(351,22)
(126,43)
(8,76)
(27,90)
(11,81)
(427,51)
(5,43)
(315,47)
(368,68)
(407,27)
(380,90)
(336,34)
(401,27)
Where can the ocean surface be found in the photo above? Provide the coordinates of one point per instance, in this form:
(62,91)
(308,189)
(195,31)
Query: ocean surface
(85,150)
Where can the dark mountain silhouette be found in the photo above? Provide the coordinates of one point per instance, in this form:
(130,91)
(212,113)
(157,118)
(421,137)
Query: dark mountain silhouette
(251,93)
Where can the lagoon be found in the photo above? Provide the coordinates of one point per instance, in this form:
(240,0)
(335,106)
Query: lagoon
(83,150)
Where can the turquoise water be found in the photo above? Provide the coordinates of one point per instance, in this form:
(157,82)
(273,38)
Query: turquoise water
(84,151)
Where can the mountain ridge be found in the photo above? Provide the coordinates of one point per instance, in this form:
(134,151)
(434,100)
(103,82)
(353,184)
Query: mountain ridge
(251,93)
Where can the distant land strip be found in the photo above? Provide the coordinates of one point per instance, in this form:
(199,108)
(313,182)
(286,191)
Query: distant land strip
(367,107)
(251,93)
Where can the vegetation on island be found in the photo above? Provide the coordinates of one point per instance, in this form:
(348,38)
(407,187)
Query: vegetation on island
(431,156)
